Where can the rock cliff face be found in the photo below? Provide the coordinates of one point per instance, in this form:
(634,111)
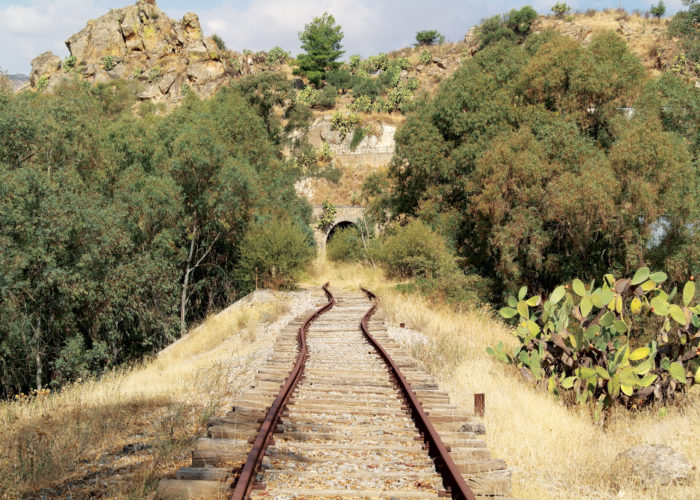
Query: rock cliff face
(141,42)
(376,149)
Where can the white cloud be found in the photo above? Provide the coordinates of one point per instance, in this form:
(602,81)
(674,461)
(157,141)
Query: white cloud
(38,26)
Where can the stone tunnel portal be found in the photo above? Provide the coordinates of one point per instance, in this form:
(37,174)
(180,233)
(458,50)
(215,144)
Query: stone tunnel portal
(339,225)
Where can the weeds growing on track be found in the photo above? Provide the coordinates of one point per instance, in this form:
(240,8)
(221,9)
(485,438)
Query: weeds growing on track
(556,451)
(116,436)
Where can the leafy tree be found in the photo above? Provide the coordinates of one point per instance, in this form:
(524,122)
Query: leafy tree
(366,86)
(561,9)
(108,220)
(494,29)
(528,161)
(514,26)
(658,10)
(274,252)
(321,40)
(684,25)
(340,79)
(520,21)
(266,91)
(429,37)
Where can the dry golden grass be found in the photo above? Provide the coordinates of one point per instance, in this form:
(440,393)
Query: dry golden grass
(73,442)
(557,452)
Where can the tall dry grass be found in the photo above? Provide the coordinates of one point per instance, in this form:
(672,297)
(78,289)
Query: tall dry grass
(556,451)
(117,435)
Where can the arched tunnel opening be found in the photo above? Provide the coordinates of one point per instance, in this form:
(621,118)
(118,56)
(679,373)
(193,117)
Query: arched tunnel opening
(340,225)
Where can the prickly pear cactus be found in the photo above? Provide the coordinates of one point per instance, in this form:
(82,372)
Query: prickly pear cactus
(581,339)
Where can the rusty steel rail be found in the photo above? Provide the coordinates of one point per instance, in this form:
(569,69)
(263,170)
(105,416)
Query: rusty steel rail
(246,479)
(454,482)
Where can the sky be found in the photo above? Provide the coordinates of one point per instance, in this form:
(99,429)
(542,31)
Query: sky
(31,27)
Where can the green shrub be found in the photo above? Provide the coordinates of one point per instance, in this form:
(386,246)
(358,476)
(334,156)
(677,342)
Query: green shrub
(400,63)
(357,136)
(340,79)
(362,104)
(344,123)
(218,41)
(520,21)
(276,56)
(324,154)
(414,251)
(366,86)
(326,97)
(327,218)
(492,30)
(108,63)
(345,245)
(513,26)
(276,251)
(155,74)
(399,97)
(582,339)
(389,78)
(42,83)
(76,361)
(425,57)
(381,105)
(307,96)
(354,63)
(561,9)
(376,63)
(429,37)
(684,25)
(69,63)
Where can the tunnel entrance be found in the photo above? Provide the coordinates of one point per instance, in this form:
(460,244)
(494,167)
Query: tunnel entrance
(340,225)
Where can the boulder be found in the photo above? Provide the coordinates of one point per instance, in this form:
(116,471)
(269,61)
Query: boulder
(100,38)
(655,463)
(46,64)
(204,72)
(143,43)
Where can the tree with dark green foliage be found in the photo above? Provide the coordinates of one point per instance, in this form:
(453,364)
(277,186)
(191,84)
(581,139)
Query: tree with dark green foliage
(273,252)
(527,160)
(117,231)
(684,25)
(658,10)
(340,79)
(321,40)
(514,26)
(429,37)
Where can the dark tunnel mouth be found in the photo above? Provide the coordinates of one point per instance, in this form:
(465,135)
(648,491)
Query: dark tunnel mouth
(340,225)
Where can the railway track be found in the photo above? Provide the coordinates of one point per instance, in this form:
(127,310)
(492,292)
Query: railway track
(339,411)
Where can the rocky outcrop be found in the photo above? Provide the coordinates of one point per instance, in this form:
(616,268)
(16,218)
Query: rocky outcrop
(141,42)
(655,463)
(45,64)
